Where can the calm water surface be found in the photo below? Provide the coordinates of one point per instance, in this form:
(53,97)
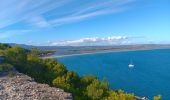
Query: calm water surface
(149,77)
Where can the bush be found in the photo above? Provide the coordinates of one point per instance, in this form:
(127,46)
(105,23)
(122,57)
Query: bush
(4,46)
(158,97)
(5,67)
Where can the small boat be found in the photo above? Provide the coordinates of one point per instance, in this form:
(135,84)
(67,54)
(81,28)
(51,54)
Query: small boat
(131,65)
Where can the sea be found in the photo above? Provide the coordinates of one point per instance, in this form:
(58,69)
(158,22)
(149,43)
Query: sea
(150,75)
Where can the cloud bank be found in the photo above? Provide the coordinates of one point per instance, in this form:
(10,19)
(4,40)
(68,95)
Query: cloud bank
(113,40)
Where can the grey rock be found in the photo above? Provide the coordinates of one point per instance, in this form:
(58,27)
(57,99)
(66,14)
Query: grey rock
(23,87)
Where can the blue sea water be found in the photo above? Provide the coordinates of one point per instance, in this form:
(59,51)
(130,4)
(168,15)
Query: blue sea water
(149,77)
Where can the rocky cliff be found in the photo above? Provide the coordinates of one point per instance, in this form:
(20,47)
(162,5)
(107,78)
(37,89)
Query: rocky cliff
(17,86)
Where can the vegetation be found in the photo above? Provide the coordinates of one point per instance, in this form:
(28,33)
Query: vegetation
(3,47)
(5,67)
(55,74)
(158,97)
(46,53)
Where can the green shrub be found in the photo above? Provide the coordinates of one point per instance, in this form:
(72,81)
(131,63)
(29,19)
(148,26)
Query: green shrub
(5,67)
(158,97)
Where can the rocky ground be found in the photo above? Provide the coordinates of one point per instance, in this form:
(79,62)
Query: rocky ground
(18,86)
(22,87)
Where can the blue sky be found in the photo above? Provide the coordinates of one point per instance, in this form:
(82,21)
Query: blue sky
(84,22)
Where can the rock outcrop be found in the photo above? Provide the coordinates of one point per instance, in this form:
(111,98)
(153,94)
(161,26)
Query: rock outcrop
(22,87)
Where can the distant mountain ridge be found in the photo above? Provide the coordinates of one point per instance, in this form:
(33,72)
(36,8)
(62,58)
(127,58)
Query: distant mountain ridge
(31,46)
(57,51)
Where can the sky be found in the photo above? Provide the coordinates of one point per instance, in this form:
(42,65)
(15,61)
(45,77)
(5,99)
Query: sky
(84,22)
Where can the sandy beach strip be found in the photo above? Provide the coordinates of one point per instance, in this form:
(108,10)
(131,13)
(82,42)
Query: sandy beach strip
(90,53)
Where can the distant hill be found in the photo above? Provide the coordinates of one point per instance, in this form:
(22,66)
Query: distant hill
(22,45)
(66,50)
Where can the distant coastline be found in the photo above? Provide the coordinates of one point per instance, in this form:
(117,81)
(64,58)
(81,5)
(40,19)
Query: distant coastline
(63,51)
(104,51)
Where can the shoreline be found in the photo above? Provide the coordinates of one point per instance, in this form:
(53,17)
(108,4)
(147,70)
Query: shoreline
(104,51)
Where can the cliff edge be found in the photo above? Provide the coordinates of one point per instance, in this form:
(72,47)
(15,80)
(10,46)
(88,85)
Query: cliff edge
(17,86)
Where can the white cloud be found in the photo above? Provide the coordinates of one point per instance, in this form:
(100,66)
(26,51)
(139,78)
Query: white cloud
(15,11)
(92,10)
(49,13)
(113,40)
(36,11)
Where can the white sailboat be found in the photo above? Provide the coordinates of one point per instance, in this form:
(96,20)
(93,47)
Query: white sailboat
(131,65)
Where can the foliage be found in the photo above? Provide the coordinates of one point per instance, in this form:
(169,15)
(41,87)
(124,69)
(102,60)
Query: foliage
(1,53)
(55,74)
(94,90)
(158,97)
(86,80)
(120,95)
(4,46)
(16,56)
(5,67)
(62,82)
